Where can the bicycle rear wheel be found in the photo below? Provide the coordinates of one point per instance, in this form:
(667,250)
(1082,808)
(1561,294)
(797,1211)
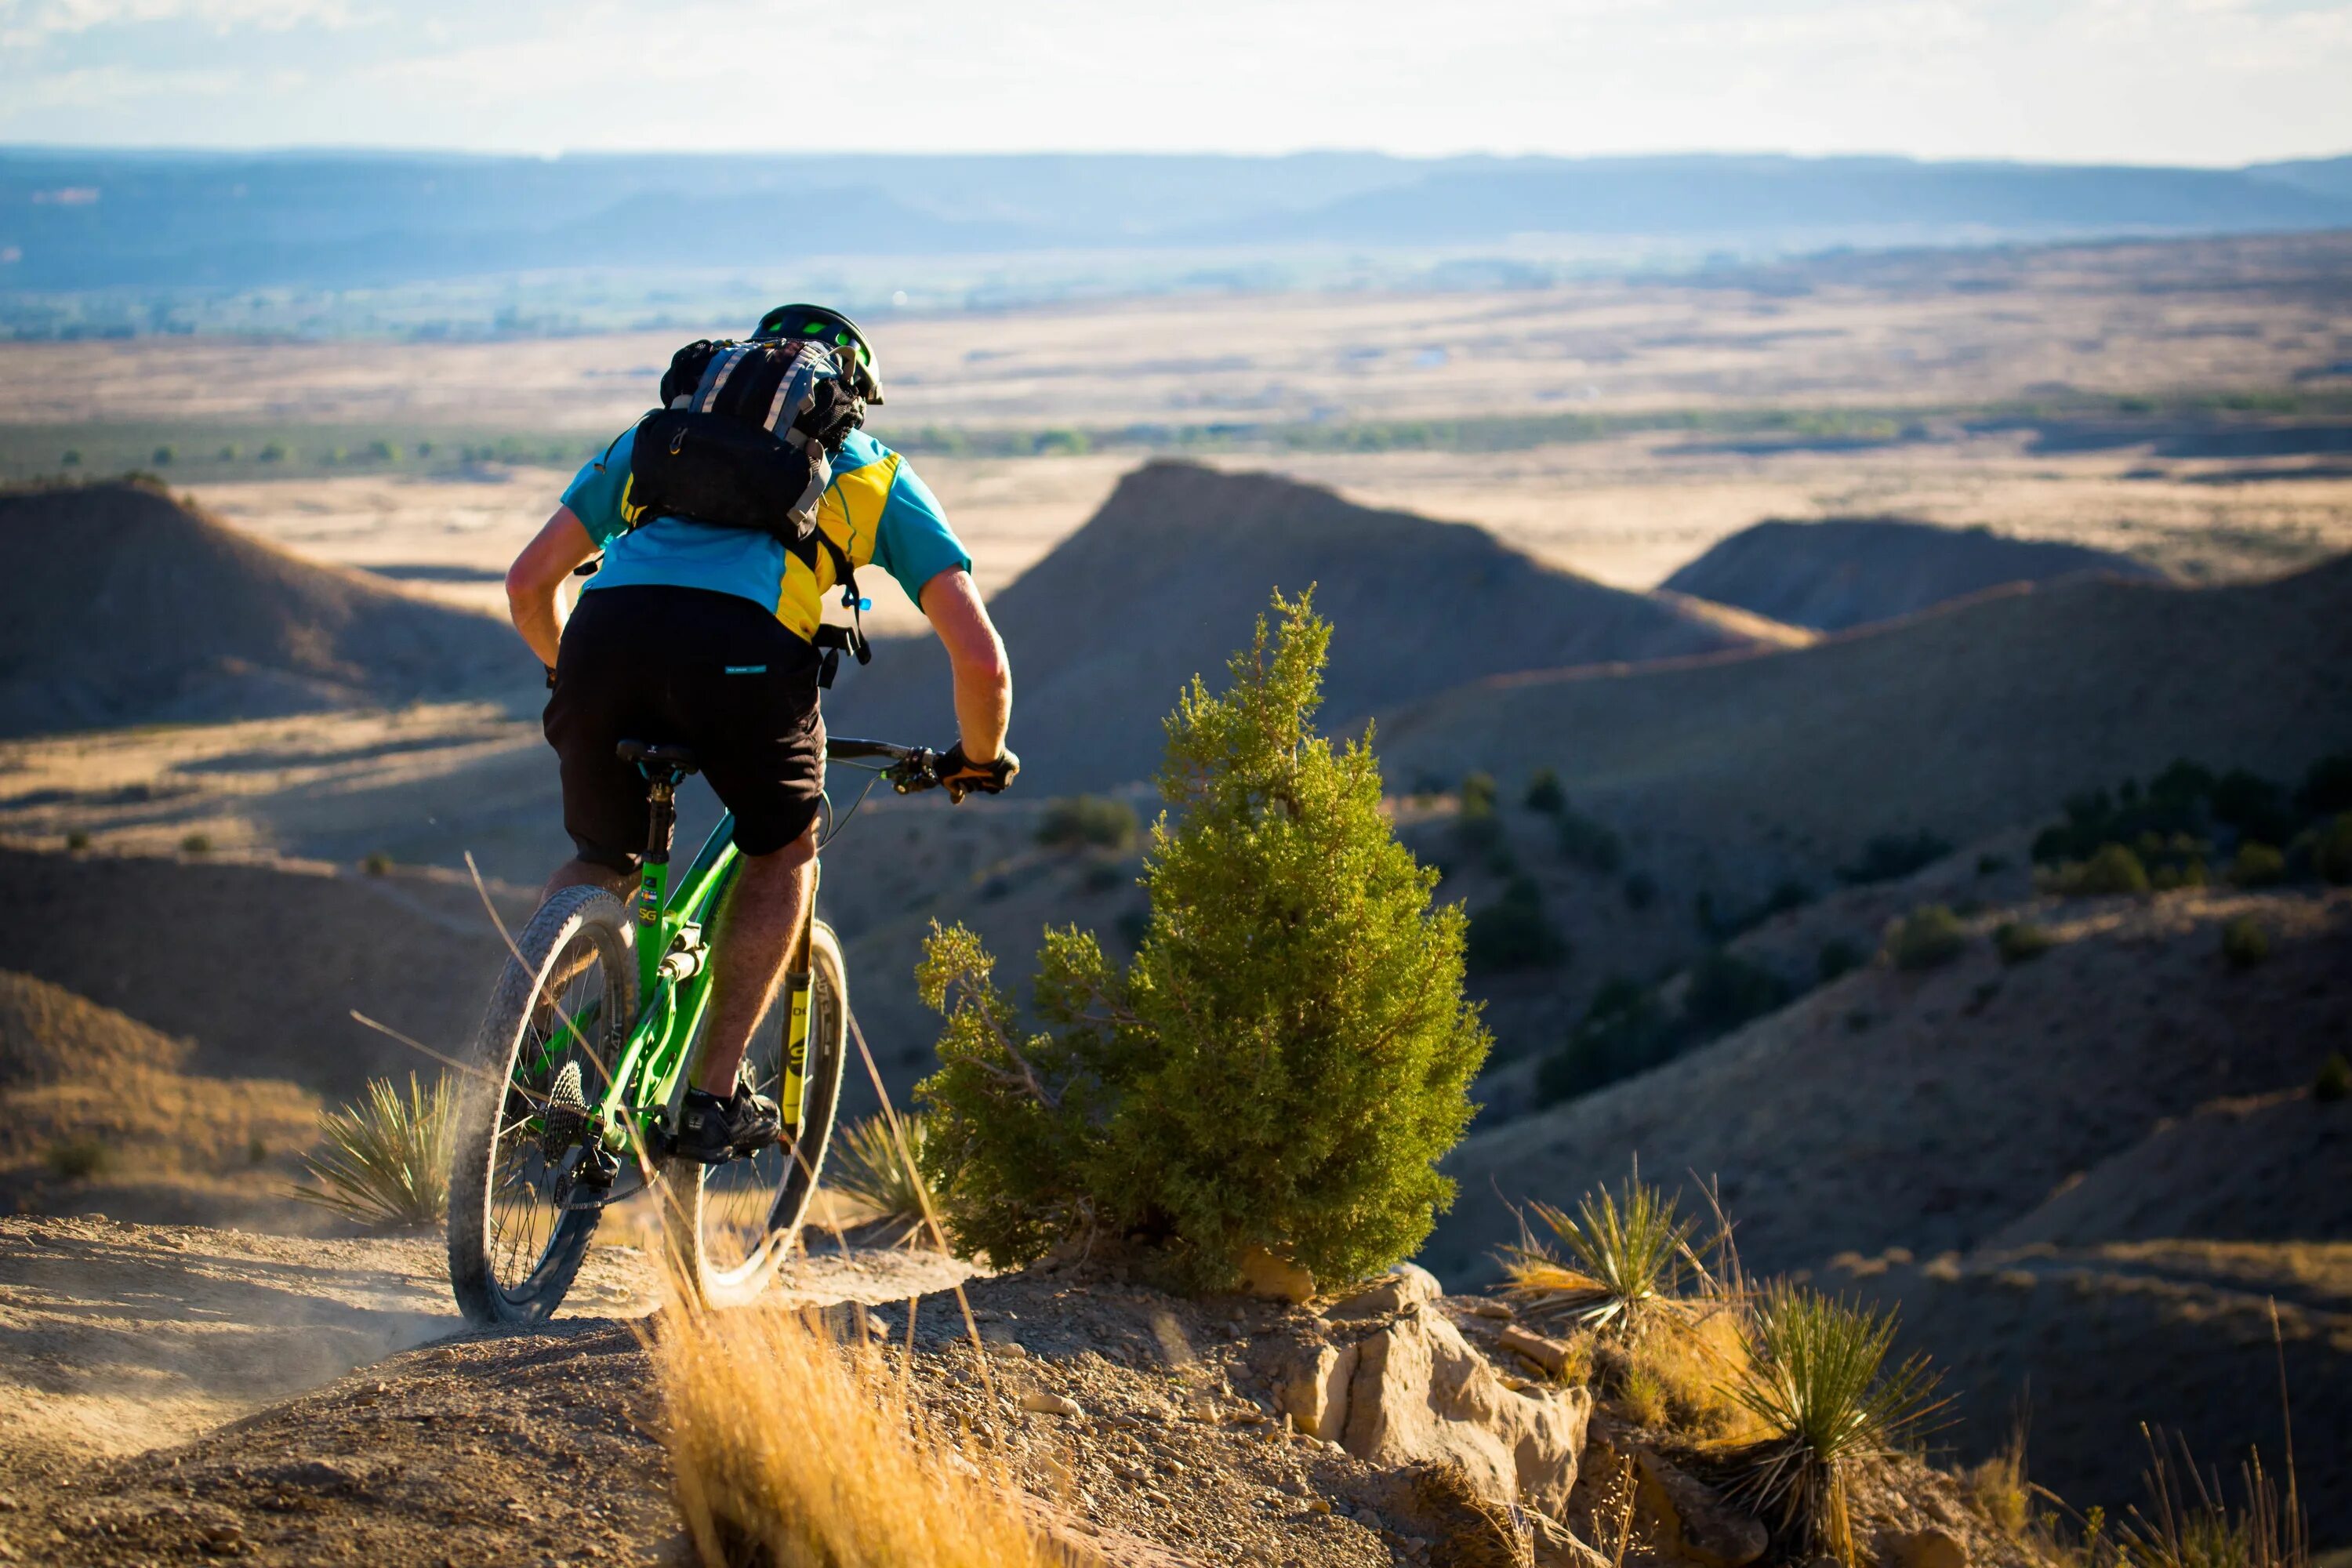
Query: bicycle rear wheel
(738,1221)
(544,1048)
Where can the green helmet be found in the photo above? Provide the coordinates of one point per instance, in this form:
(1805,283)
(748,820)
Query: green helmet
(823,324)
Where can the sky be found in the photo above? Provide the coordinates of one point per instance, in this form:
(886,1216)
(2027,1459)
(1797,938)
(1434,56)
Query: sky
(2211,82)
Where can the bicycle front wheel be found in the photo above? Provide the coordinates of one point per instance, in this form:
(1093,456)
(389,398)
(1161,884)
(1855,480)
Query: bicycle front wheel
(738,1221)
(542,1055)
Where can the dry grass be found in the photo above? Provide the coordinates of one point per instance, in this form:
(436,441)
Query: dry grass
(1681,1379)
(790,1450)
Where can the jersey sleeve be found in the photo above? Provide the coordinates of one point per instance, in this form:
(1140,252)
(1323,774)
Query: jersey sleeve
(913,542)
(594,494)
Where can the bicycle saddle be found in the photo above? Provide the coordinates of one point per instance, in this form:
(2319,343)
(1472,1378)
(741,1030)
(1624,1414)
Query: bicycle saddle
(651,758)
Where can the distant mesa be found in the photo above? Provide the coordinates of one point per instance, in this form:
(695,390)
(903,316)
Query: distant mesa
(1848,572)
(1166,580)
(121,607)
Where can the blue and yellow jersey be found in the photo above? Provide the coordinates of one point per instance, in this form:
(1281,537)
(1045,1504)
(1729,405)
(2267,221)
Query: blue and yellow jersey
(876,510)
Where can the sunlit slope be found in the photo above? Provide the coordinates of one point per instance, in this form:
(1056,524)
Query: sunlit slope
(122,607)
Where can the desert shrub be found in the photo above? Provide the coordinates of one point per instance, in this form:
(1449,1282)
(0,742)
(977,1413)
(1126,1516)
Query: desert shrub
(197,844)
(1102,876)
(2332,1083)
(383,451)
(2020,942)
(77,840)
(1641,891)
(1544,794)
(2257,865)
(1590,844)
(1928,936)
(1817,1383)
(1284,1060)
(79,1159)
(1627,1257)
(377,864)
(2244,942)
(1089,821)
(2256,806)
(230,453)
(1624,1031)
(1514,932)
(162,457)
(2332,853)
(1838,956)
(257,1149)
(1990,864)
(1727,991)
(70,459)
(2327,785)
(386,1160)
(1478,797)
(2112,869)
(274,453)
(1892,854)
(740,1391)
(870,1169)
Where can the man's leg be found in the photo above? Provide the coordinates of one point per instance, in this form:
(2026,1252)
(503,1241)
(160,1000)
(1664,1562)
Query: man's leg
(758,931)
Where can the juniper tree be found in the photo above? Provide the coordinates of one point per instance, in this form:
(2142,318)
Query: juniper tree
(1285,1059)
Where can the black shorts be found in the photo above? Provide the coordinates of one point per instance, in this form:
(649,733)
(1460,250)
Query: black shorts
(713,672)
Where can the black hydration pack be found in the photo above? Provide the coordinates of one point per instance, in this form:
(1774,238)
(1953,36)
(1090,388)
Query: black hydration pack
(745,439)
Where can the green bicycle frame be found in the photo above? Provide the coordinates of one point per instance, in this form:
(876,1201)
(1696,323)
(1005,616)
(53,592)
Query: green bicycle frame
(674,973)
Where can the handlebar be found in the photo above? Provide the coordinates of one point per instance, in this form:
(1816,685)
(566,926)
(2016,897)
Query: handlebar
(911,770)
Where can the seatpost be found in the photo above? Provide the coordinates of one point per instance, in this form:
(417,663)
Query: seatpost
(661,827)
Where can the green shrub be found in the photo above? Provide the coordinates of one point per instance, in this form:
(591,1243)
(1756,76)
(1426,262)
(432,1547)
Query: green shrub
(2257,865)
(1816,1378)
(386,1160)
(1990,864)
(71,459)
(231,453)
(197,844)
(1589,844)
(1101,877)
(383,451)
(1624,1031)
(255,1151)
(2112,869)
(2020,942)
(274,453)
(2334,1082)
(2328,786)
(1085,821)
(2256,806)
(2244,942)
(1514,932)
(2333,853)
(1928,936)
(77,840)
(1479,798)
(1838,956)
(1727,991)
(162,456)
(1283,1061)
(377,864)
(1893,855)
(1544,794)
(79,1159)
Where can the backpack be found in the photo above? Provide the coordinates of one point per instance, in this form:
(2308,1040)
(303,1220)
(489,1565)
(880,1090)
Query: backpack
(745,439)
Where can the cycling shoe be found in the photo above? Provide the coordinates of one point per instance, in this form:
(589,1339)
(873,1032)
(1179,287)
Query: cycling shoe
(714,1130)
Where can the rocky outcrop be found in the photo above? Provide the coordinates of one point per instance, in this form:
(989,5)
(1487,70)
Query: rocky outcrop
(1414,1391)
(1695,1521)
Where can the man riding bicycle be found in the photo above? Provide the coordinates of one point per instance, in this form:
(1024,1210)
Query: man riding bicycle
(713,637)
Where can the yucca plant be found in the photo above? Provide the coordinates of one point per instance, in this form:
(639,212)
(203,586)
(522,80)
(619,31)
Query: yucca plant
(870,1168)
(1818,1381)
(1629,1254)
(386,1158)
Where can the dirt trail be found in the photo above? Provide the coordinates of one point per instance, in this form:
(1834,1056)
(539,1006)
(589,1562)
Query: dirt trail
(119,1340)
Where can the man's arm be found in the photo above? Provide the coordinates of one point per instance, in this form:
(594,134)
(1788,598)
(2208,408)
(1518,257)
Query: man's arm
(983,680)
(535,581)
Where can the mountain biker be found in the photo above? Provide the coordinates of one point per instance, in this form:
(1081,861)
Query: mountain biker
(705,636)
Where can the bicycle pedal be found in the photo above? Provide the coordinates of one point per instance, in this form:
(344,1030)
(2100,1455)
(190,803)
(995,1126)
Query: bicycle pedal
(592,1182)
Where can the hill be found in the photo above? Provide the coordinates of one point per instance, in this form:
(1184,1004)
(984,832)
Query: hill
(49,1036)
(2081,1176)
(1965,722)
(1165,581)
(1847,572)
(121,606)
